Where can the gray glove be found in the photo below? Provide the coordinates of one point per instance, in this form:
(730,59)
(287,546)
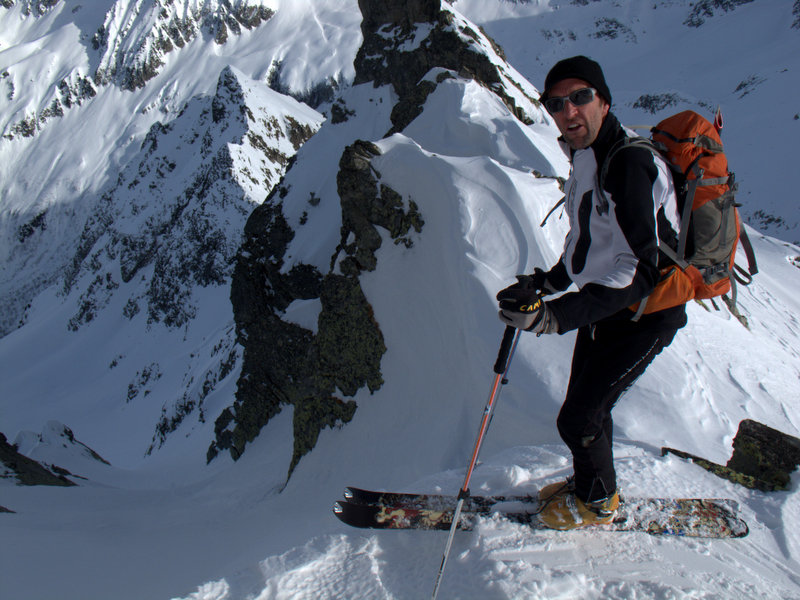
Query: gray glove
(524,309)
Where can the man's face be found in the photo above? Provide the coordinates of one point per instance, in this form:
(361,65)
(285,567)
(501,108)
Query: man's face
(578,124)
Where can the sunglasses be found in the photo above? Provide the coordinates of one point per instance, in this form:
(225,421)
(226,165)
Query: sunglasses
(576,98)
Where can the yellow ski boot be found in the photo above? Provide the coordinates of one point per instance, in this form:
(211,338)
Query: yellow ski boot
(567,511)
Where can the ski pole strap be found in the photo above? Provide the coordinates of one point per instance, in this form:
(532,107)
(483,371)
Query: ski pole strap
(752,267)
(505,348)
(552,210)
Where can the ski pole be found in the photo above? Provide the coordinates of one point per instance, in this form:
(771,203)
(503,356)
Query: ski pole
(501,365)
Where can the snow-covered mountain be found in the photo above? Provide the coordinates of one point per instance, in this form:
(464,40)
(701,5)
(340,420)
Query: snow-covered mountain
(208,286)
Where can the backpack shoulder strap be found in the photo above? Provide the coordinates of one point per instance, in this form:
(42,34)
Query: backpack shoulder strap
(626,142)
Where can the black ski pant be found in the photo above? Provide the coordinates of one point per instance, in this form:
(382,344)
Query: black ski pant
(609,356)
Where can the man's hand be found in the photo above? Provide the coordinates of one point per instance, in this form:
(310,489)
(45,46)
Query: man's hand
(524,308)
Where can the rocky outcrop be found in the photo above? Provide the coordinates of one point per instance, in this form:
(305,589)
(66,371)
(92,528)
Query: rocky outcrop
(705,9)
(764,453)
(170,25)
(404,41)
(367,205)
(763,458)
(288,365)
(69,92)
(26,470)
(31,7)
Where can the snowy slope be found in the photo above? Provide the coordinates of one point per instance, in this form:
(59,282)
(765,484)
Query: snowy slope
(53,170)
(170,526)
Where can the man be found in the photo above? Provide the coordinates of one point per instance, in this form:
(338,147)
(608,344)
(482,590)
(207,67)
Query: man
(611,255)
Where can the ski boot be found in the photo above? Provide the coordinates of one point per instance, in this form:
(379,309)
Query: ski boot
(559,488)
(566,511)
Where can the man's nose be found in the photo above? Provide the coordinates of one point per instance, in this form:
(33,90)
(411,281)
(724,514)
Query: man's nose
(569,108)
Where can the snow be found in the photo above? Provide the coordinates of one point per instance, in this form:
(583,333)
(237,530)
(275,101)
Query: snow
(476,130)
(166,525)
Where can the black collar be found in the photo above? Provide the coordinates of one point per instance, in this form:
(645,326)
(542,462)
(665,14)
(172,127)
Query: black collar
(608,135)
(610,132)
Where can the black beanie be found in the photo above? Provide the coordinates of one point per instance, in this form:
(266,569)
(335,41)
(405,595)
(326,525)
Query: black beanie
(579,67)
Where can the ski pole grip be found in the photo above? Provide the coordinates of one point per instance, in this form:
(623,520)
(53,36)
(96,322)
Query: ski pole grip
(505,348)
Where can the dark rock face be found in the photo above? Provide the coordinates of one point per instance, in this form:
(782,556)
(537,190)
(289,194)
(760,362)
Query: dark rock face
(286,364)
(705,9)
(764,453)
(366,205)
(384,56)
(763,458)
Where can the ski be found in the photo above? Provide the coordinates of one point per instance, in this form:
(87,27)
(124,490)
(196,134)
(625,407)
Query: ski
(690,517)
(430,501)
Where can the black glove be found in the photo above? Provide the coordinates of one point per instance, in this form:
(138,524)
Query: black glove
(524,308)
(540,282)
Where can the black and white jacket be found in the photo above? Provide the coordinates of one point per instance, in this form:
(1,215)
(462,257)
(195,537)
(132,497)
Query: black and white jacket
(611,251)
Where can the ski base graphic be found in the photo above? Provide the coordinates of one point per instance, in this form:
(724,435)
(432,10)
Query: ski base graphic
(690,517)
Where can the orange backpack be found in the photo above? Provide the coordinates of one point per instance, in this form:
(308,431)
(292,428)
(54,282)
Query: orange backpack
(704,264)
